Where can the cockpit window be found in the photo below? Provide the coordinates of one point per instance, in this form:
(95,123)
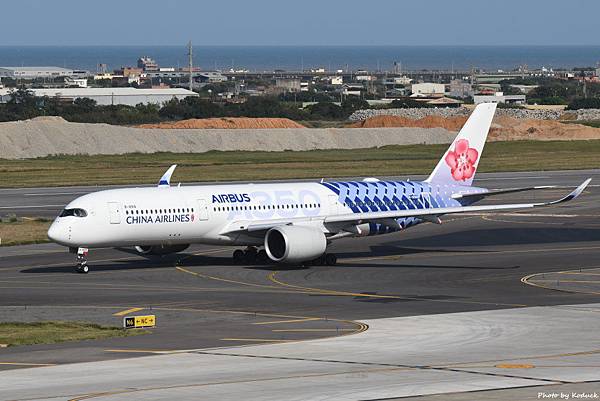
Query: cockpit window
(73,212)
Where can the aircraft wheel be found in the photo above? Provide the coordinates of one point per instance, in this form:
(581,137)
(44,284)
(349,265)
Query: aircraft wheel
(262,257)
(250,256)
(238,256)
(330,259)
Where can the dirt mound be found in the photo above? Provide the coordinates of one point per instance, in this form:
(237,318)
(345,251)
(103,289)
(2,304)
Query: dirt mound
(513,129)
(503,128)
(227,123)
(449,123)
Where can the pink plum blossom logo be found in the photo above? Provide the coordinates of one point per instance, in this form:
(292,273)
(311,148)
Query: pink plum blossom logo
(462,160)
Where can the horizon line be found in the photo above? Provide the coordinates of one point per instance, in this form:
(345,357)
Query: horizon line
(300,45)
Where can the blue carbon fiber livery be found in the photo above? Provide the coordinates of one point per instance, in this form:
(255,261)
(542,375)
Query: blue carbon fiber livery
(379,196)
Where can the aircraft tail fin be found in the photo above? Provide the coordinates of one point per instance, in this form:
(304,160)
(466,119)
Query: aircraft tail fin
(459,164)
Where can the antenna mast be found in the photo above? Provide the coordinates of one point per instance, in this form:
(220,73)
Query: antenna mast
(191,64)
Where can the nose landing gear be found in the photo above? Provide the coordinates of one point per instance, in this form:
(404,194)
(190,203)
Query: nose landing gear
(82,266)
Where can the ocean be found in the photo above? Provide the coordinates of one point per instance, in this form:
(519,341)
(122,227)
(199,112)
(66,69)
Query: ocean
(294,58)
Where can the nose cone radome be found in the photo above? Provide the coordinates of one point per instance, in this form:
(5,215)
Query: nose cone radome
(57,234)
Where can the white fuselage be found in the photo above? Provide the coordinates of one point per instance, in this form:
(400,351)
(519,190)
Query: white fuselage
(211,213)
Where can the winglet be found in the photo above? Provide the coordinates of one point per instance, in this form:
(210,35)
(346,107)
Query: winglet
(574,194)
(165,180)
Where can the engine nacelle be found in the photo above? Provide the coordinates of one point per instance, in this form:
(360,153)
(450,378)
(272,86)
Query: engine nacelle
(294,244)
(160,249)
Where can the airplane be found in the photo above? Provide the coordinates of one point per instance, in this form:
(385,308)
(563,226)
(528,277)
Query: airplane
(289,222)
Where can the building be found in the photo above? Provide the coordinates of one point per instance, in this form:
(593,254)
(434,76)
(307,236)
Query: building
(211,77)
(147,64)
(34,72)
(428,89)
(444,102)
(365,78)
(104,75)
(460,88)
(288,84)
(336,80)
(400,80)
(499,97)
(109,96)
(352,89)
(78,82)
(201,76)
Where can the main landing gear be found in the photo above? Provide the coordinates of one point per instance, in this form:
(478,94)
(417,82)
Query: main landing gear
(327,259)
(252,255)
(82,266)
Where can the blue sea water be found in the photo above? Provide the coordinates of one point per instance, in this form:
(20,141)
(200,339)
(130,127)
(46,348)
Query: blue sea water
(293,58)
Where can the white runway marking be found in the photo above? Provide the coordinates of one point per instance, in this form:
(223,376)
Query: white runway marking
(56,193)
(29,207)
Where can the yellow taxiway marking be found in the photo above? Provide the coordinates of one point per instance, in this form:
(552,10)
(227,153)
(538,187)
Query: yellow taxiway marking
(272,277)
(551,280)
(268,379)
(222,279)
(514,366)
(27,364)
(259,340)
(476,253)
(308,319)
(139,351)
(127,311)
(534,281)
(309,330)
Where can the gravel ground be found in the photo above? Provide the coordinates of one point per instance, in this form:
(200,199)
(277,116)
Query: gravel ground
(53,136)
(417,113)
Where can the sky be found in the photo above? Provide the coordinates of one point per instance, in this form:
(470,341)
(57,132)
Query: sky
(301,22)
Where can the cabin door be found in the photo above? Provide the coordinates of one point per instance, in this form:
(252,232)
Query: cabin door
(202,209)
(114,212)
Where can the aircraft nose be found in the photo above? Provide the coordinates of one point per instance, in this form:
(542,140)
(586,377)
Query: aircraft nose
(56,234)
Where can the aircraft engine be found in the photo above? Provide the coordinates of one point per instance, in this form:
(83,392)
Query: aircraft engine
(160,249)
(294,244)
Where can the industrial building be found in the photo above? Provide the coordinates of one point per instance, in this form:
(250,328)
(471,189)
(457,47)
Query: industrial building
(34,72)
(199,76)
(109,96)
(288,84)
(500,97)
(428,89)
(460,88)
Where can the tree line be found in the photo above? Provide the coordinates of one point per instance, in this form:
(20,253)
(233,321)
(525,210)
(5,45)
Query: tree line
(23,105)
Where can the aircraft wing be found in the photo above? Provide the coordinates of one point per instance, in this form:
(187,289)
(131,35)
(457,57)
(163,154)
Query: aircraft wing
(430,214)
(360,218)
(481,195)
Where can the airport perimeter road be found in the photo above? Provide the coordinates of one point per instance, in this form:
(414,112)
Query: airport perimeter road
(415,281)
(47,202)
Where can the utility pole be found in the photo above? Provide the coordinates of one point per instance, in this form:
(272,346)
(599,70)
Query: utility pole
(191,64)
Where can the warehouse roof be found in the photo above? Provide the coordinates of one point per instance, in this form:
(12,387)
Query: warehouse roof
(87,92)
(34,69)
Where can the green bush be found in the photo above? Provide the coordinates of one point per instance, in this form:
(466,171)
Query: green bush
(593,103)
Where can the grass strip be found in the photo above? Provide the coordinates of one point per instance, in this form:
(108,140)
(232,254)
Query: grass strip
(23,231)
(224,166)
(18,333)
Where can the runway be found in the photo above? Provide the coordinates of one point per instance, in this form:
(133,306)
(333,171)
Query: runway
(398,311)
